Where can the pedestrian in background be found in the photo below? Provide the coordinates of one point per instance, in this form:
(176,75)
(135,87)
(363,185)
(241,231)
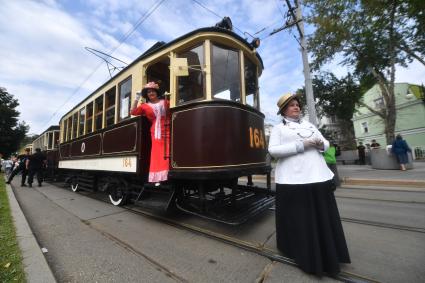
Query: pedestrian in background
(361,149)
(308,225)
(330,158)
(21,168)
(374,145)
(35,164)
(400,149)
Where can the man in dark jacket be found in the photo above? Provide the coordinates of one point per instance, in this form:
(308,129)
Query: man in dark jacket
(35,164)
(21,168)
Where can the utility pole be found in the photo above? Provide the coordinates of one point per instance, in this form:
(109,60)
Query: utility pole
(312,116)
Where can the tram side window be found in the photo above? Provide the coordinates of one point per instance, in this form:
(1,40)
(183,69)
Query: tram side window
(75,125)
(226,80)
(110,107)
(69,129)
(82,114)
(50,142)
(89,119)
(55,139)
(251,83)
(65,125)
(98,113)
(125,95)
(192,86)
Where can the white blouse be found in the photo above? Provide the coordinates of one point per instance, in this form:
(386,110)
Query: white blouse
(296,165)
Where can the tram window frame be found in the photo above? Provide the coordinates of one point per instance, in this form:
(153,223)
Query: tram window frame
(55,139)
(123,96)
(82,121)
(89,118)
(192,70)
(215,45)
(110,107)
(98,113)
(50,140)
(248,93)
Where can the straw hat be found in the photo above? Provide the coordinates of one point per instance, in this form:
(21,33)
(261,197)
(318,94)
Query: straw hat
(284,100)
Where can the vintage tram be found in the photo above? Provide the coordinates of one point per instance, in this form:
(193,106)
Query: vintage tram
(48,142)
(216,130)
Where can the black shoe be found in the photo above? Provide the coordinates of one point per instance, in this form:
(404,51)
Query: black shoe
(8,182)
(30,185)
(39,185)
(23,185)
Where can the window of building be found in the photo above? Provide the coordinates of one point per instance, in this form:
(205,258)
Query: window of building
(89,119)
(191,87)
(82,121)
(226,79)
(251,83)
(379,103)
(125,96)
(98,113)
(365,127)
(74,125)
(110,107)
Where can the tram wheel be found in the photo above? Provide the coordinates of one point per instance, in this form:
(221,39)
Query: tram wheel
(118,192)
(74,185)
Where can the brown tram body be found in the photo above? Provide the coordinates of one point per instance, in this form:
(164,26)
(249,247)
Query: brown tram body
(216,135)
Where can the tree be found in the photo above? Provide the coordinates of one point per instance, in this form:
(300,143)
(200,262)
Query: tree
(337,98)
(372,37)
(12,131)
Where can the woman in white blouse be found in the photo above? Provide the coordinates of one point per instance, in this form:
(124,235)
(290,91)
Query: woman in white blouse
(308,226)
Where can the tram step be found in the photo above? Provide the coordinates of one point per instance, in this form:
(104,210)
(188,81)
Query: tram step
(158,199)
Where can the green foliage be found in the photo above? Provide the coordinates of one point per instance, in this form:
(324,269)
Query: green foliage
(11,268)
(12,131)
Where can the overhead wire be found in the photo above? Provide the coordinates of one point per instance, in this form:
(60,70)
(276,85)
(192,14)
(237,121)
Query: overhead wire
(121,41)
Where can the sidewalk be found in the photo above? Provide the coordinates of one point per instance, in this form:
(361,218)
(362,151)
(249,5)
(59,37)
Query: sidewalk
(365,175)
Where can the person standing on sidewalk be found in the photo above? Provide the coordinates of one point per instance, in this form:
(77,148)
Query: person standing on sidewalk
(35,164)
(308,225)
(361,149)
(400,149)
(330,158)
(21,168)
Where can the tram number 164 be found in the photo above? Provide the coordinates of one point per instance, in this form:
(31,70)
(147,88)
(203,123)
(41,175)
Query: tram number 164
(256,138)
(126,162)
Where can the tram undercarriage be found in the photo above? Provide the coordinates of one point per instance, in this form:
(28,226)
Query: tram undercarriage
(222,201)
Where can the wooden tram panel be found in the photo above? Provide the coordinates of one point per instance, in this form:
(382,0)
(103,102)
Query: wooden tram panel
(217,138)
(125,146)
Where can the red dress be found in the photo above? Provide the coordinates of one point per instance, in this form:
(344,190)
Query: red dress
(156,114)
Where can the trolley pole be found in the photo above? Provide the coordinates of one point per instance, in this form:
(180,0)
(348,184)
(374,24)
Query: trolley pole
(312,116)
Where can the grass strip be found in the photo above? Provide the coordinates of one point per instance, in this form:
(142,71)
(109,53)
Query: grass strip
(11,267)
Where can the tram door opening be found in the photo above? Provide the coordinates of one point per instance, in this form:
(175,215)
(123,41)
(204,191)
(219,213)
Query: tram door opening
(160,73)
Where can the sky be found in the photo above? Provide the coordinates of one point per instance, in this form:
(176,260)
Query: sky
(44,63)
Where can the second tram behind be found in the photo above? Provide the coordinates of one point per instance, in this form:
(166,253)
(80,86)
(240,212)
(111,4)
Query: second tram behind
(216,130)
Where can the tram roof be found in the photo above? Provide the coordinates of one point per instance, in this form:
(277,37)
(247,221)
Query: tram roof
(160,45)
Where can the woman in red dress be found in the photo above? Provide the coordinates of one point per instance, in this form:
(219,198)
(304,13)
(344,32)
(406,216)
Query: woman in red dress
(155,110)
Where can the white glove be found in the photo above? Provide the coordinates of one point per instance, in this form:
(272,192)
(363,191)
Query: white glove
(138,95)
(309,143)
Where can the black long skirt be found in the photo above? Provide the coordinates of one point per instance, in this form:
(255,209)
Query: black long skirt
(309,229)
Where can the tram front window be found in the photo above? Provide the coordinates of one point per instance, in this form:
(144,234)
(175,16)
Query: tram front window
(191,87)
(226,79)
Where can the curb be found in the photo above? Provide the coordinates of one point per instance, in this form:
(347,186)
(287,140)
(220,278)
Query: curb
(363,182)
(386,182)
(35,264)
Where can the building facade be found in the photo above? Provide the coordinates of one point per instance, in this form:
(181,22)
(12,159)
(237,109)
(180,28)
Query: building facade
(410,117)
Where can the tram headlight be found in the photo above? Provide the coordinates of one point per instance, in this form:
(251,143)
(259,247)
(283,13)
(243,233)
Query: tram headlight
(255,42)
